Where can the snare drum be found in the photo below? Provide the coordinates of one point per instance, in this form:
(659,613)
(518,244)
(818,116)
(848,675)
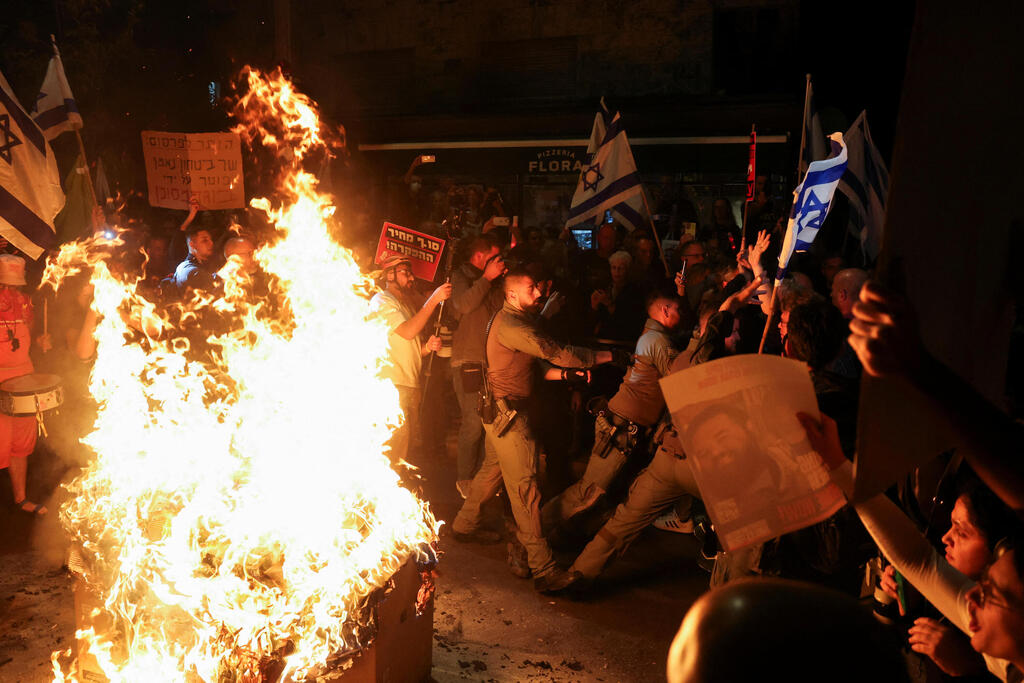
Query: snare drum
(30,394)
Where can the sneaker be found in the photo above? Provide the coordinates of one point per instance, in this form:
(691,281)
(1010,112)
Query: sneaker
(518,563)
(462,486)
(555,581)
(670,521)
(480,536)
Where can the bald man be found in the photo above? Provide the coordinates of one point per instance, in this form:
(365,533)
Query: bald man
(846,289)
(777,630)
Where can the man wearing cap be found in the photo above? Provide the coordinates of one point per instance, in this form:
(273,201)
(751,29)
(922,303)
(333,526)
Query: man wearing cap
(513,343)
(404,312)
(17,434)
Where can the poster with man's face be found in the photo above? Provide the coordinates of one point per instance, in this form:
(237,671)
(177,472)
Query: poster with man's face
(757,473)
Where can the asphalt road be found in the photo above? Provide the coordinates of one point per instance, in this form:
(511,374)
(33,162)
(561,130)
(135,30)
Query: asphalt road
(488,626)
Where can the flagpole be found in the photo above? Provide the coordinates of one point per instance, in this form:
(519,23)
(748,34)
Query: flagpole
(78,136)
(654,231)
(773,302)
(771,313)
(746,206)
(803,129)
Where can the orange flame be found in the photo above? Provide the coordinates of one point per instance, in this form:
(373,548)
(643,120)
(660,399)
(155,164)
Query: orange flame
(240,502)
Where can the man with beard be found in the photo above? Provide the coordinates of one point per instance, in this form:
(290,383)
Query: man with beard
(513,342)
(406,315)
(723,446)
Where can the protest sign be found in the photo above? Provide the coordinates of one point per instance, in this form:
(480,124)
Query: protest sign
(756,471)
(423,250)
(207,166)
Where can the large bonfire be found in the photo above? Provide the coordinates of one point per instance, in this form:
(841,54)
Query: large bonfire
(241,504)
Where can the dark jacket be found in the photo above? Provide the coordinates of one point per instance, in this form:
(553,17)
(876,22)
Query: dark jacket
(474,299)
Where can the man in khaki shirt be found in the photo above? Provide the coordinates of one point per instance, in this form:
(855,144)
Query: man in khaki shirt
(624,427)
(514,343)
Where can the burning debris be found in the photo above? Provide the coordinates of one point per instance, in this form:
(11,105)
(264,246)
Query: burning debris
(241,507)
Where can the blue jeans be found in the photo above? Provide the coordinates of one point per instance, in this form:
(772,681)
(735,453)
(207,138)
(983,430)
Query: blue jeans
(471,430)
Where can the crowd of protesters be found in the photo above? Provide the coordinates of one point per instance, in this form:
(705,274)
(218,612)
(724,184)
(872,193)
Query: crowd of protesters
(577,436)
(546,363)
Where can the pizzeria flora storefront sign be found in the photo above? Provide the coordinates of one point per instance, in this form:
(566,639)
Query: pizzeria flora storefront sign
(559,160)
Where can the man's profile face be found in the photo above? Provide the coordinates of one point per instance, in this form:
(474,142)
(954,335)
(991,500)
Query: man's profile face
(201,245)
(526,294)
(242,252)
(784,324)
(671,313)
(482,258)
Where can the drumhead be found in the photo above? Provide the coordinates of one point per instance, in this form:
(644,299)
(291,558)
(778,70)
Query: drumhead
(27,385)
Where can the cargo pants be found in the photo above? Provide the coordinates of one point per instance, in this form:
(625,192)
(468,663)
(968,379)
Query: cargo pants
(602,468)
(512,459)
(664,481)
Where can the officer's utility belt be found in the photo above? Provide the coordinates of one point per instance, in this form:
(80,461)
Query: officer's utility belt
(614,431)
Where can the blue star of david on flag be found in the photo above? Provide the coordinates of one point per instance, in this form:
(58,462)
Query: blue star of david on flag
(812,200)
(812,213)
(591,177)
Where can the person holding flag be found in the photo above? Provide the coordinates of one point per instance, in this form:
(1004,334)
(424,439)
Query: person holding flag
(55,112)
(609,180)
(811,202)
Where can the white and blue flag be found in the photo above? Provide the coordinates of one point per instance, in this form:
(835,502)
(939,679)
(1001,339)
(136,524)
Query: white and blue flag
(55,111)
(866,186)
(30,194)
(811,201)
(609,180)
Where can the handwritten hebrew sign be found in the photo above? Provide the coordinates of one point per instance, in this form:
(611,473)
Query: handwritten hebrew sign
(207,166)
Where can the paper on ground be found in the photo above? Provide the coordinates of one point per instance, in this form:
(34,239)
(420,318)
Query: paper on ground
(757,473)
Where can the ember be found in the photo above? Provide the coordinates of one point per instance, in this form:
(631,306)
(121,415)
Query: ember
(241,506)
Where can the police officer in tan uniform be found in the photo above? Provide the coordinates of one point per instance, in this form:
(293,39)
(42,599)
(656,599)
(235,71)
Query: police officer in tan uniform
(623,427)
(514,343)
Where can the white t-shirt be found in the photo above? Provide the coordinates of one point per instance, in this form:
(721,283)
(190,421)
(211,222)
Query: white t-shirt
(405,354)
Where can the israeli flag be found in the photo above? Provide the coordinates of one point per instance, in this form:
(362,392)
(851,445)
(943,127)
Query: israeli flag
(55,111)
(812,199)
(30,193)
(609,180)
(866,185)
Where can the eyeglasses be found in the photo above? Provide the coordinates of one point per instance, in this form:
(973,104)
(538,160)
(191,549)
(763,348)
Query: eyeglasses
(986,596)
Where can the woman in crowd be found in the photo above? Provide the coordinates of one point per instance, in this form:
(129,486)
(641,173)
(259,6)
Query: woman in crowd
(990,610)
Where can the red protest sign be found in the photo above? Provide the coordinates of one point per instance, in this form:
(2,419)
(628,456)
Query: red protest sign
(423,250)
(752,166)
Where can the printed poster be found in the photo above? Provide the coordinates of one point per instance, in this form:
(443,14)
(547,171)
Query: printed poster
(757,473)
(423,250)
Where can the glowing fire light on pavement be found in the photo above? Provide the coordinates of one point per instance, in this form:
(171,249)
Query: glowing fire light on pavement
(241,504)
